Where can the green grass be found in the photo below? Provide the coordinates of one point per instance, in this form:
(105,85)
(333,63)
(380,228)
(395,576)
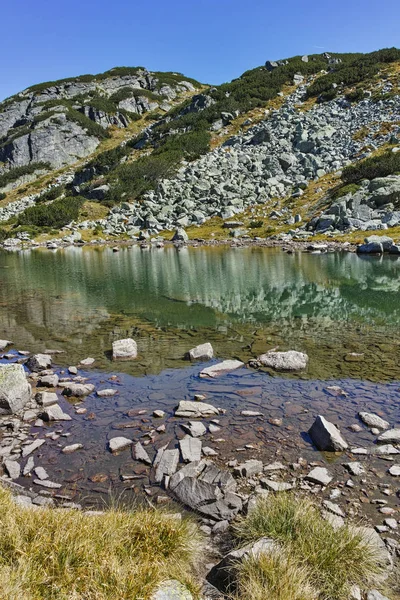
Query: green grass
(51,554)
(380,165)
(334,559)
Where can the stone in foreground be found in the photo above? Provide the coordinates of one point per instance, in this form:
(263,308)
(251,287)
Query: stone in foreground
(15,390)
(139,453)
(326,436)
(202,352)
(172,590)
(78,390)
(167,463)
(392,436)
(221,368)
(13,468)
(39,362)
(284,361)
(119,443)
(190,449)
(124,349)
(187,408)
(320,476)
(54,413)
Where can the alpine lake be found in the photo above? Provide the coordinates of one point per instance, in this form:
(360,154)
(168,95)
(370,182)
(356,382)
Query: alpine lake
(343,310)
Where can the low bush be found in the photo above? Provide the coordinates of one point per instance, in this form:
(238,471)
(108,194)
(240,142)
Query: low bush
(256,224)
(351,188)
(3,195)
(331,560)
(51,194)
(17,172)
(381,165)
(58,214)
(115,555)
(3,234)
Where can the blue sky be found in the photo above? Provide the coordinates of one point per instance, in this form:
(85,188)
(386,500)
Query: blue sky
(210,40)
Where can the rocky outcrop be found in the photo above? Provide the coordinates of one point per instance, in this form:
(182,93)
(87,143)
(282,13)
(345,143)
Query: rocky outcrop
(15,390)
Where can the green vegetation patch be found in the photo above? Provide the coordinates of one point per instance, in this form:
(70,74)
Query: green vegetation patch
(57,215)
(381,165)
(351,188)
(18,172)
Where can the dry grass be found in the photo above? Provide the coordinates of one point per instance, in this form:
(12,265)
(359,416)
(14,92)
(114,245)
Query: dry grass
(334,559)
(69,555)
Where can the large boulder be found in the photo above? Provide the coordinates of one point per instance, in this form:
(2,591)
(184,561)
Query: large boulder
(39,362)
(124,349)
(284,361)
(326,436)
(371,248)
(202,352)
(384,240)
(15,390)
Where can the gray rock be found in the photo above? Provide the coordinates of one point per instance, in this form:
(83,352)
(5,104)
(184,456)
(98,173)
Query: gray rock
(395,471)
(284,361)
(372,248)
(188,408)
(249,468)
(221,368)
(28,467)
(46,398)
(180,235)
(392,436)
(13,468)
(190,448)
(106,393)
(375,595)
(4,344)
(28,449)
(54,413)
(72,448)
(355,468)
(326,436)
(48,381)
(385,241)
(47,484)
(78,390)
(119,443)
(39,362)
(276,486)
(124,349)
(320,476)
(139,453)
(41,473)
(15,390)
(166,464)
(171,589)
(195,428)
(373,420)
(202,352)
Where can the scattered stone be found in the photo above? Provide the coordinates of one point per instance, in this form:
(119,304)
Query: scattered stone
(28,467)
(276,466)
(166,464)
(207,451)
(354,468)
(221,368)
(251,413)
(284,361)
(190,449)
(4,344)
(41,473)
(373,420)
(54,413)
(375,595)
(108,393)
(39,362)
(392,523)
(15,390)
(72,448)
(87,362)
(78,390)
(187,408)
(202,352)
(385,450)
(213,428)
(50,381)
(249,468)
(392,436)
(46,398)
(195,428)
(13,468)
(73,370)
(26,450)
(319,475)
(47,484)
(276,486)
(124,349)
(119,443)
(159,414)
(333,508)
(326,436)
(395,471)
(172,589)
(139,453)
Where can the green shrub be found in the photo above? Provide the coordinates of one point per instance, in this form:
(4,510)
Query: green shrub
(256,224)
(2,195)
(57,215)
(3,234)
(351,188)
(356,95)
(18,172)
(51,194)
(382,165)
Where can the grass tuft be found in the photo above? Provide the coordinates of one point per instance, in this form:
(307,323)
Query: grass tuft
(334,559)
(67,555)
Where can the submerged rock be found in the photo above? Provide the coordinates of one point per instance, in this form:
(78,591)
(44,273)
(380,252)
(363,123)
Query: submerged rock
(77,390)
(373,420)
(221,368)
(284,361)
(326,436)
(188,408)
(202,352)
(124,349)
(119,443)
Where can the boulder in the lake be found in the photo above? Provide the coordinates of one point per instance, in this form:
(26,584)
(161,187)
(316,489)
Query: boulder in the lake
(180,235)
(124,349)
(373,420)
(371,248)
(191,409)
(326,436)
(77,390)
(54,413)
(15,390)
(4,344)
(392,436)
(284,361)
(119,443)
(202,352)
(385,241)
(39,362)
(221,368)
(46,398)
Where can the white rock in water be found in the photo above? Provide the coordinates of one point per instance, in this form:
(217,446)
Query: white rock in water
(41,473)
(195,428)
(373,420)
(124,349)
(87,362)
(77,390)
(119,443)
(47,484)
(395,471)
(284,361)
(326,436)
(190,448)
(319,475)
(189,408)
(54,413)
(39,362)
(15,390)
(46,398)
(4,344)
(28,449)
(13,468)
(392,436)
(221,368)
(72,448)
(202,352)
(139,453)
(167,464)
(108,393)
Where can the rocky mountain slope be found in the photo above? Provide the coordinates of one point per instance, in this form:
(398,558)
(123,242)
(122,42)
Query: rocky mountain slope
(273,150)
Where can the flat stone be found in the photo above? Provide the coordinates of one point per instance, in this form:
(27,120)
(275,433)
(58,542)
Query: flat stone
(26,450)
(13,468)
(87,362)
(355,468)
(167,464)
(202,352)
(72,448)
(41,473)
(78,390)
(392,523)
(251,413)
(385,450)
(139,453)
(195,428)
(28,467)
(373,420)
(284,361)
(46,398)
(171,589)
(249,468)
(190,448)
(50,381)
(124,349)
(207,451)
(395,471)
(326,436)
(159,414)
(72,370)
(15,390)
(221,368)
(119,443)
(276,486)
(333,508)
(319,475)
(47,484)
(107,393)
(375,595)
(189,408)
(275,466)
(54,413)
(392,436)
